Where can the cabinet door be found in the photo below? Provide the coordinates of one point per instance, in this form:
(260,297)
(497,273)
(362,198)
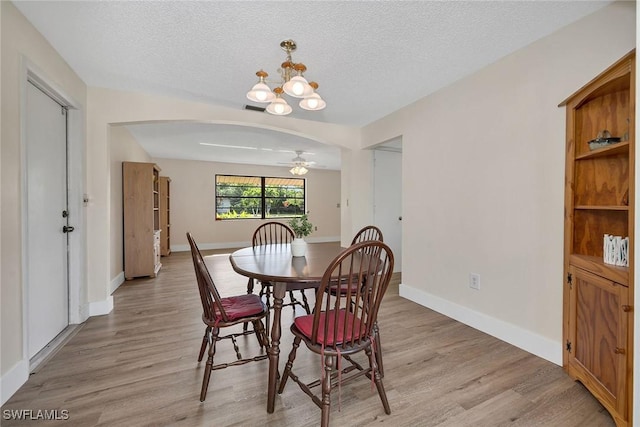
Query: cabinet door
(598,337)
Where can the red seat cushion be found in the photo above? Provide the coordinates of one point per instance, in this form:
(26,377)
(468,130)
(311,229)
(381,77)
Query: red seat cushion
(305,325)
(242,306)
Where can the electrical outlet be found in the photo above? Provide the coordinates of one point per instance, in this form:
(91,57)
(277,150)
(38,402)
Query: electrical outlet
(474,281)
(316,228)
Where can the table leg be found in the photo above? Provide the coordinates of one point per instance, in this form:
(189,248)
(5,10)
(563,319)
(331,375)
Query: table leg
(279,290)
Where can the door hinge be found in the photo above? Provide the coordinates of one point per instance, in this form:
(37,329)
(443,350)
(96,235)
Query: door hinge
(570,280)
(569,346)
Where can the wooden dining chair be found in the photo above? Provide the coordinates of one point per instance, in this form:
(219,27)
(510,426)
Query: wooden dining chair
(338,328)
(370,232)
(274,233)
(222,312)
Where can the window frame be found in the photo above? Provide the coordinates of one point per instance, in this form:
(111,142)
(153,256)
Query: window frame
(263,197)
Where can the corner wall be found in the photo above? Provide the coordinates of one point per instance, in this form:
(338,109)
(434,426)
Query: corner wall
(483,183)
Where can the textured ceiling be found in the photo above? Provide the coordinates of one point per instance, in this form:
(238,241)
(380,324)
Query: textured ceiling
(369,58)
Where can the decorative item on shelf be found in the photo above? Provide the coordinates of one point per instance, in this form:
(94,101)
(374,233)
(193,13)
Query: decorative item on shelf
(616,250)
(301,228)
(291,83)
(603,139)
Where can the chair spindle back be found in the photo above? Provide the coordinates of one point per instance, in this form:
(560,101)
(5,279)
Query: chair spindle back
(351,320)
(211,301)
(272,232)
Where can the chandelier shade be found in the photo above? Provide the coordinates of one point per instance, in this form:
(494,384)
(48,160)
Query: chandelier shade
(261,92)
(279,106)
(292,83)
(313,102)
(298,87)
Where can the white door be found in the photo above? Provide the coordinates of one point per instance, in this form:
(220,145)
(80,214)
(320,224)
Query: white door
(387,200)
(46,185)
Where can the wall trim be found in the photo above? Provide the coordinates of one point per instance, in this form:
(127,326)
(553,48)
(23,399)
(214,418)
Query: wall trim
(99,308)
(116,282)
(11,381)
(522,338)
(236,245)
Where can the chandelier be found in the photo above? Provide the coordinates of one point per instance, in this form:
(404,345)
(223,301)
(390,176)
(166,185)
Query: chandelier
(292,83)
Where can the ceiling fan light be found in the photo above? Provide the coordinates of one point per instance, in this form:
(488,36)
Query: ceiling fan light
(298,170)
(313,102)
(260,92)
(279,107)
(298,87)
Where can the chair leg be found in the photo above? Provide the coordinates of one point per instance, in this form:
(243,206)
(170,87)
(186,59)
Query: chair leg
(205,341)
(249,291)
(260,334)
(294,301)
(289,365)
(378,349)
(326,390)
(266,290)
(305,302)
(378,380)
(213,338)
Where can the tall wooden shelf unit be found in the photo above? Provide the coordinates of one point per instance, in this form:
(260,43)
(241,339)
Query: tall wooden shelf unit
(599,199)
(141,214)
(165,215)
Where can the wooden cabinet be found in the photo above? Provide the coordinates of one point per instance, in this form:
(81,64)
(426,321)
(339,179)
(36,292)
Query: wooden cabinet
(599,200)
(141,215)
(165,215)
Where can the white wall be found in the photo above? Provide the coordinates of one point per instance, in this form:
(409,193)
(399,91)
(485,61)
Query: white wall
(23,48)
(483,182)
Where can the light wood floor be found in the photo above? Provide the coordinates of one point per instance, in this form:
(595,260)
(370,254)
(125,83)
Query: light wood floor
(137,366)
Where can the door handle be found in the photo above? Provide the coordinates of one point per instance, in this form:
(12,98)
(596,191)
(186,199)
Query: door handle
(67,229)
(400,218)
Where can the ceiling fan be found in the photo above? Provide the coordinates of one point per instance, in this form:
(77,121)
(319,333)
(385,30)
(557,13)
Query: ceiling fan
(299,164)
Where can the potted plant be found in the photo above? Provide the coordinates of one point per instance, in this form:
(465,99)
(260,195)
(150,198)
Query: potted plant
(301,228)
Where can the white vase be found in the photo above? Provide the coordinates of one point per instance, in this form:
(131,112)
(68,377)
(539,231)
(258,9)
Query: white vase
(298,247)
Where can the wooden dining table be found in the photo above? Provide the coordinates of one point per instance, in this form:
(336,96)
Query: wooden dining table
(275,264)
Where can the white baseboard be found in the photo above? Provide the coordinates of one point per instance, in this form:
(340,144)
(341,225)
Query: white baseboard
(322,239)
(515,335)
(235,245)
(116,282)
(13,380)
(98,308)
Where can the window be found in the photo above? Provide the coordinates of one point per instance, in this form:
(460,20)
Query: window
(250,197)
